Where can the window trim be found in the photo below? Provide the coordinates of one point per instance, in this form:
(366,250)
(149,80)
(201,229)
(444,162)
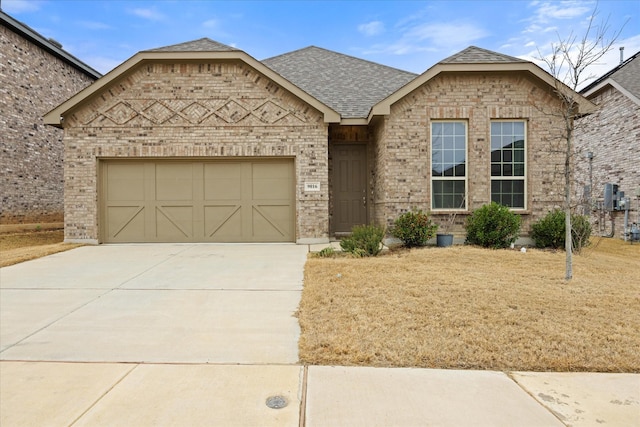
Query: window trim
(525,177)
(463,208)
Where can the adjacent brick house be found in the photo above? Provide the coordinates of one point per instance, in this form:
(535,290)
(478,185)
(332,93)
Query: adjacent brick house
(201,142)
(35,76)
(612,136)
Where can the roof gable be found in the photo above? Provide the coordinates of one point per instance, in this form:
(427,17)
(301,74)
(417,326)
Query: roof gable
(197,50)
(474,59)
(625,77)
(201,45)
(347,84)
(476,55)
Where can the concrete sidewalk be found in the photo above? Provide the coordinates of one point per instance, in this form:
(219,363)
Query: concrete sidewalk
(118,394)
(142,335)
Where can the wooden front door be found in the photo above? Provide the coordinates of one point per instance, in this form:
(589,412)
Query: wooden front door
(349,182)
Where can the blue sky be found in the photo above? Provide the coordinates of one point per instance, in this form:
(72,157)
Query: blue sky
(410,35)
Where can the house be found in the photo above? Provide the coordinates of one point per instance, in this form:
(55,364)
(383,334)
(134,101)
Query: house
(608,144)
(201,142)
(36,74)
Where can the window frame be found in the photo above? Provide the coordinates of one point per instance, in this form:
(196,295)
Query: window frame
(524,177)
(465,178)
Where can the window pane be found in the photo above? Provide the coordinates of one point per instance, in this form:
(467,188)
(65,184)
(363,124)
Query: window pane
(518,156)
(518,128)
(448,194)
(495,156)
(507,155)
(507,170)
(518,169)
(519,143)
(496,170)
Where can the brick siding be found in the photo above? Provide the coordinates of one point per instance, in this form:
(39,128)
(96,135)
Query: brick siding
(402,143)
(612,134)
(32,82)
(194,110)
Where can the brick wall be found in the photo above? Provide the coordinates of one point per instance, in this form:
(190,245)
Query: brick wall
(402,143)
(612,134)
(32,82)
(200,110)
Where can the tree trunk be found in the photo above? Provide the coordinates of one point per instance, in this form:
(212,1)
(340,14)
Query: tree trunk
(568,241)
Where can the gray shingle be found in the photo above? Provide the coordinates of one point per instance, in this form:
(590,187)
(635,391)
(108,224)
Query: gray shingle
(349,85)
(201,45)
(628,76)
(474,55)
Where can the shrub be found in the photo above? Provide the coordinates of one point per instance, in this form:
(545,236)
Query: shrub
(414,228)
(493,226)
(549,231)
(327,252)
(365,240)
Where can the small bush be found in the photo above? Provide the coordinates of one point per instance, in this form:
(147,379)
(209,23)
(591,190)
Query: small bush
(549,231)
(327,252)
(414,228)
(493,226)
(365,240)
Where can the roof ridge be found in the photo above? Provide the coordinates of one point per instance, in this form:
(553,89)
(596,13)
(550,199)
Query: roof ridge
(202,44)
(377,64)
(475,54)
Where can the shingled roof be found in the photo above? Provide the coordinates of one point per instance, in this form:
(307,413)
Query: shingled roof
(349,85)
(625,76)
(201,45)
(476,55)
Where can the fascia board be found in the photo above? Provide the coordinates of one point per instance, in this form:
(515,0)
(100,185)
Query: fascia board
(610,82)
(55,116)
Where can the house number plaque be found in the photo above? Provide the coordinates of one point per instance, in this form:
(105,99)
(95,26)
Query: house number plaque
(311,186)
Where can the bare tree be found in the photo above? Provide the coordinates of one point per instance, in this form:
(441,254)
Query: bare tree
(568,62)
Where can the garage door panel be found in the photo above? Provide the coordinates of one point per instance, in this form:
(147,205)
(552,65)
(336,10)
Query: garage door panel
(127,182)
(126,223)
(174,223)
(199,201)
(223,181)
(174,181)
(271,222)
(223,222)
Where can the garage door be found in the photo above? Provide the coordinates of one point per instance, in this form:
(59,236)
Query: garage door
(185,201)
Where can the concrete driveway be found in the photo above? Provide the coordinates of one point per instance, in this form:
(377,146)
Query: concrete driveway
(177,303)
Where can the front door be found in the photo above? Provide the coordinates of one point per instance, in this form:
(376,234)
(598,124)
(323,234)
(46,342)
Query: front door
(349,180)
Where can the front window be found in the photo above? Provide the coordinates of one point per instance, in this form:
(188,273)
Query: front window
(508,162)
(448,165)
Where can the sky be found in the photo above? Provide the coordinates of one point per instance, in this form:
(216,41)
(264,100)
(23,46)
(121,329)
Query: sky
(409,35)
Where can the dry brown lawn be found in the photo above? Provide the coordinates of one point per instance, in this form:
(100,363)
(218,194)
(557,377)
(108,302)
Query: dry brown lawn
(27,245)
(472,308)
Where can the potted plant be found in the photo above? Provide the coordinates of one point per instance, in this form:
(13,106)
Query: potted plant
(444,238)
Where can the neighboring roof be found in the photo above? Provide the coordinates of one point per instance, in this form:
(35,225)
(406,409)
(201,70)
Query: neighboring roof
(48,45)
(201,45)
(475,59)
(349,85)
(476,55)
(197,50)
(625,77)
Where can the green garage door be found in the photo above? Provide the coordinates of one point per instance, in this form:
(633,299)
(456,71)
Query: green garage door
(185,201)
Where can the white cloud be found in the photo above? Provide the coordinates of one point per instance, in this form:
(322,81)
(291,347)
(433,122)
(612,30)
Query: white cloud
(94,25)
(211,23)
(19,6)
(372,28)
(453,34)
(150,14)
